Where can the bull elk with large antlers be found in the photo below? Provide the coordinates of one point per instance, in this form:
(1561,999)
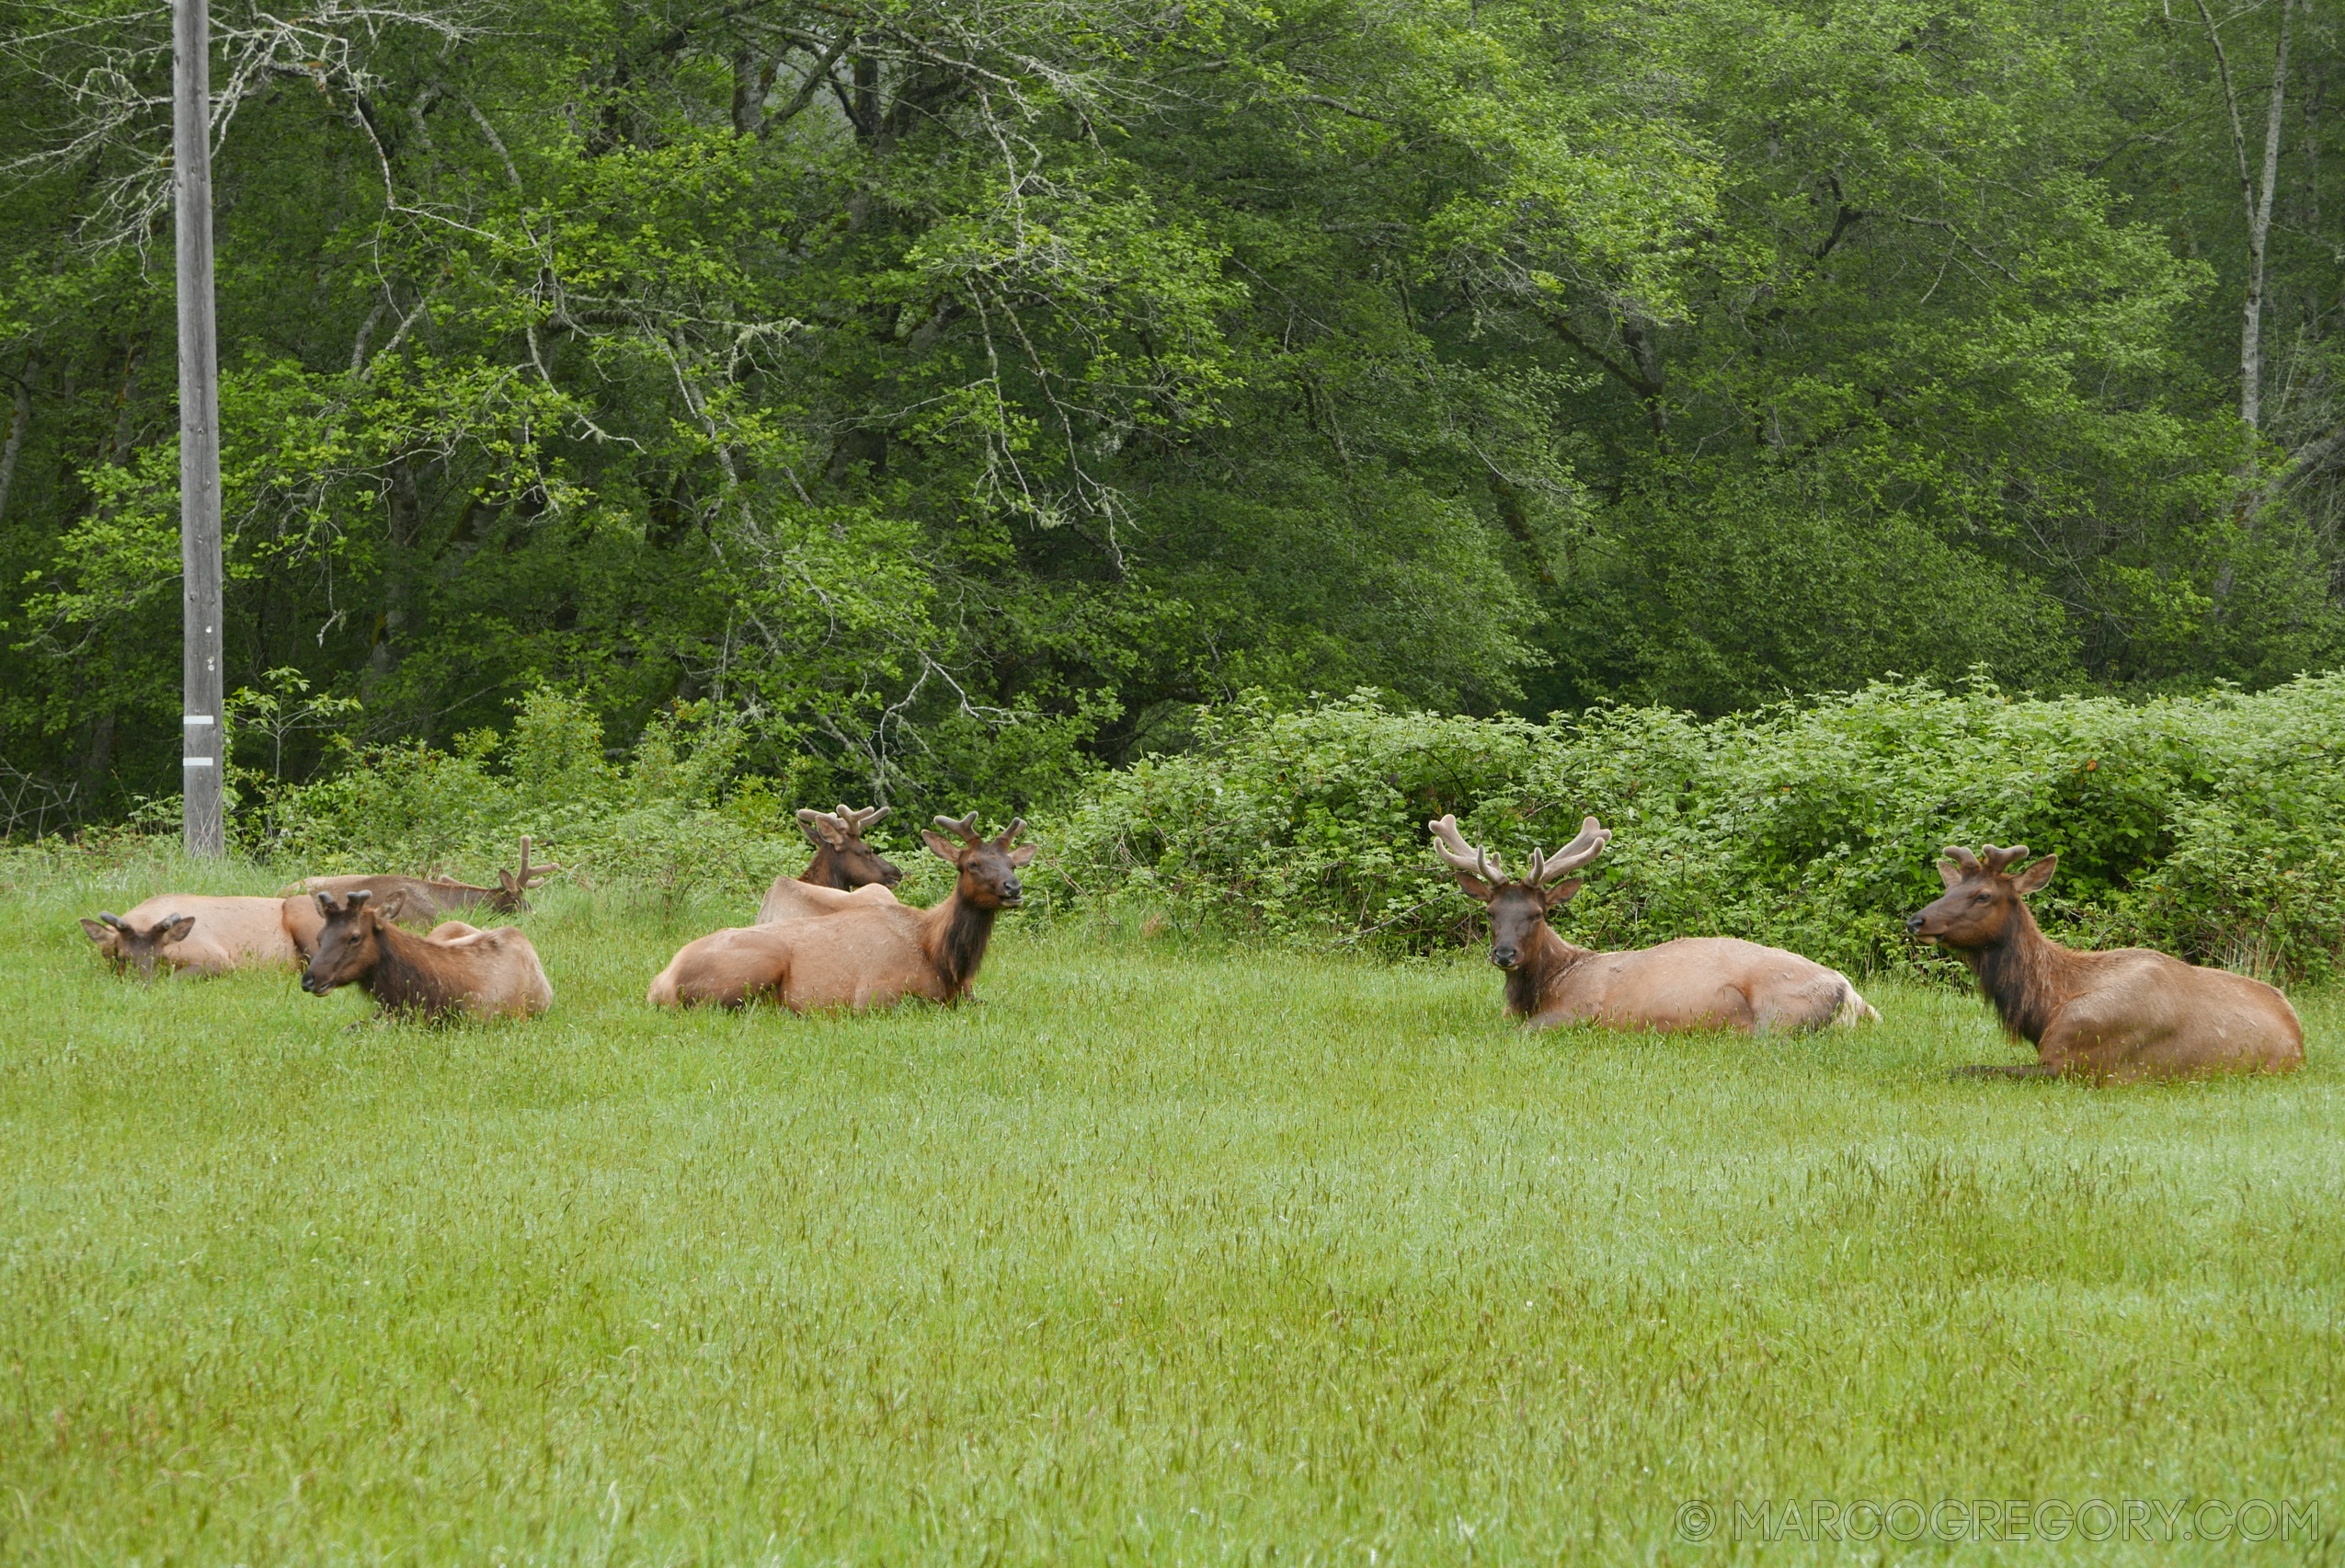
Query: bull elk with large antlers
(414,900)
(456,968)
(842,863)
(1695,982)
(2109,1017)
(871,956)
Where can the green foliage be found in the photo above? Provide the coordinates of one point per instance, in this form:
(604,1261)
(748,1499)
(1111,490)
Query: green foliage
(659,821)
(2209,827)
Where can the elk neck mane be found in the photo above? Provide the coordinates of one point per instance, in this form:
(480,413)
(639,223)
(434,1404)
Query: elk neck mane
(957,943)
(405,975)
(2023,975)
(1543,967)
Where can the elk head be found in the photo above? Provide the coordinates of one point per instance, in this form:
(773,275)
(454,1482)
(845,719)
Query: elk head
(127,948)
(349,944)
(853,864)
(511,896)
(1517,905)
(1981,905)
(989,867)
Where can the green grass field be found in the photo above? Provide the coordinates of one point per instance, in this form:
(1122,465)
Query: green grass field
(1157,1255)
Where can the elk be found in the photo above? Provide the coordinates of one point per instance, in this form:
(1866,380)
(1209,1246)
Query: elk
(416,900)
(1695,982)
(2109,1018)
(200,935)
(842,862)
(457,967)
(872,954)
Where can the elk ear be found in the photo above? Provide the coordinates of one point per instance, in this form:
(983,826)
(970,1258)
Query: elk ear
(817,828)
(177,929)
(946,850)
(1949,873)
(2033,879)
(1560,894)
(1023,853)
(1473,887)
(98,930)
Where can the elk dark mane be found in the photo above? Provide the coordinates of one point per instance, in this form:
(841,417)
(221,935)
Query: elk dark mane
(961,947)
(2020,975)
(406,978)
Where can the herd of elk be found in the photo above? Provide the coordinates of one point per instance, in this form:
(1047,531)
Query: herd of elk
(835,936)
(2109,1018)
(1695,982)
(871,956)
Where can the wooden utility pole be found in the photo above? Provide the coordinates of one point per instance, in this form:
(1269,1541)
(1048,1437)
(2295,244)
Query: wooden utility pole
(203,728)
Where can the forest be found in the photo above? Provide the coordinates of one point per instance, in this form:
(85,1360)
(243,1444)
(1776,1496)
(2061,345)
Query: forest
(951,397)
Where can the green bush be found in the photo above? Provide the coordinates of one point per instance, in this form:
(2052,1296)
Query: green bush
(662,821)
(2208,826)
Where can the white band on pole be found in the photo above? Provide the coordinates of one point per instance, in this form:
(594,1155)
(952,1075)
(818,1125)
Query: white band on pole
(195,718)
(195,761)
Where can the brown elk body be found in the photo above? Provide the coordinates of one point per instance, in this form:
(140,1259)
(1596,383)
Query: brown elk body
(414,901)
(867,952)
(456,968)
(842,863)
(2109,1017)
(1695,982)
(197,933)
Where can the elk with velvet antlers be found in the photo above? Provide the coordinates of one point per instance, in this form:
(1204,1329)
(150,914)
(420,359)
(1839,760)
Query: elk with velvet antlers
(874,955)
(2109,1017)
(1695,982)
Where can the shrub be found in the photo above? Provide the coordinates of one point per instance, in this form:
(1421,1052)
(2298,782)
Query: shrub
(2208,826)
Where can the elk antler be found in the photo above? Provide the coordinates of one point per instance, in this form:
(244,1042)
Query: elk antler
(1997,859)
(529,876)
(1462,856)
(1964,861)
(857,821)
(1008,835)
(815,821)
(114,921)
(965,826)
(1592,838)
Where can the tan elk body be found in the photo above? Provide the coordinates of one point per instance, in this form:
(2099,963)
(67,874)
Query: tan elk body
(414,901)
(2111,1017)
(867,952)
(1695,982)
(842,864)
(455,968)
(197,933)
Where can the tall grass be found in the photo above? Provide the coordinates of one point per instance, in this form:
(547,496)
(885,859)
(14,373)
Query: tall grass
(1155,1255)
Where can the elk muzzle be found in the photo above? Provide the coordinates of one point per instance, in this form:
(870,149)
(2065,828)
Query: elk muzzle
(1504,955)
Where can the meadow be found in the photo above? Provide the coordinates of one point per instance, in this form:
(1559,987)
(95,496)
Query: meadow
(1163,1251)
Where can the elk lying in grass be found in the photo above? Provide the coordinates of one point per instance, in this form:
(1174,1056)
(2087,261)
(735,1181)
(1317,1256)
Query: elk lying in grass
(489,974)
(873,955)
(199,934)
(416,900)
(1695,982)
(2109,1017)
(842,863)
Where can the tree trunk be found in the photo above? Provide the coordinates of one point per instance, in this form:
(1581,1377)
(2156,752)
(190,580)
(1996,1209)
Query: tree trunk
(19,417)
(2256,197)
